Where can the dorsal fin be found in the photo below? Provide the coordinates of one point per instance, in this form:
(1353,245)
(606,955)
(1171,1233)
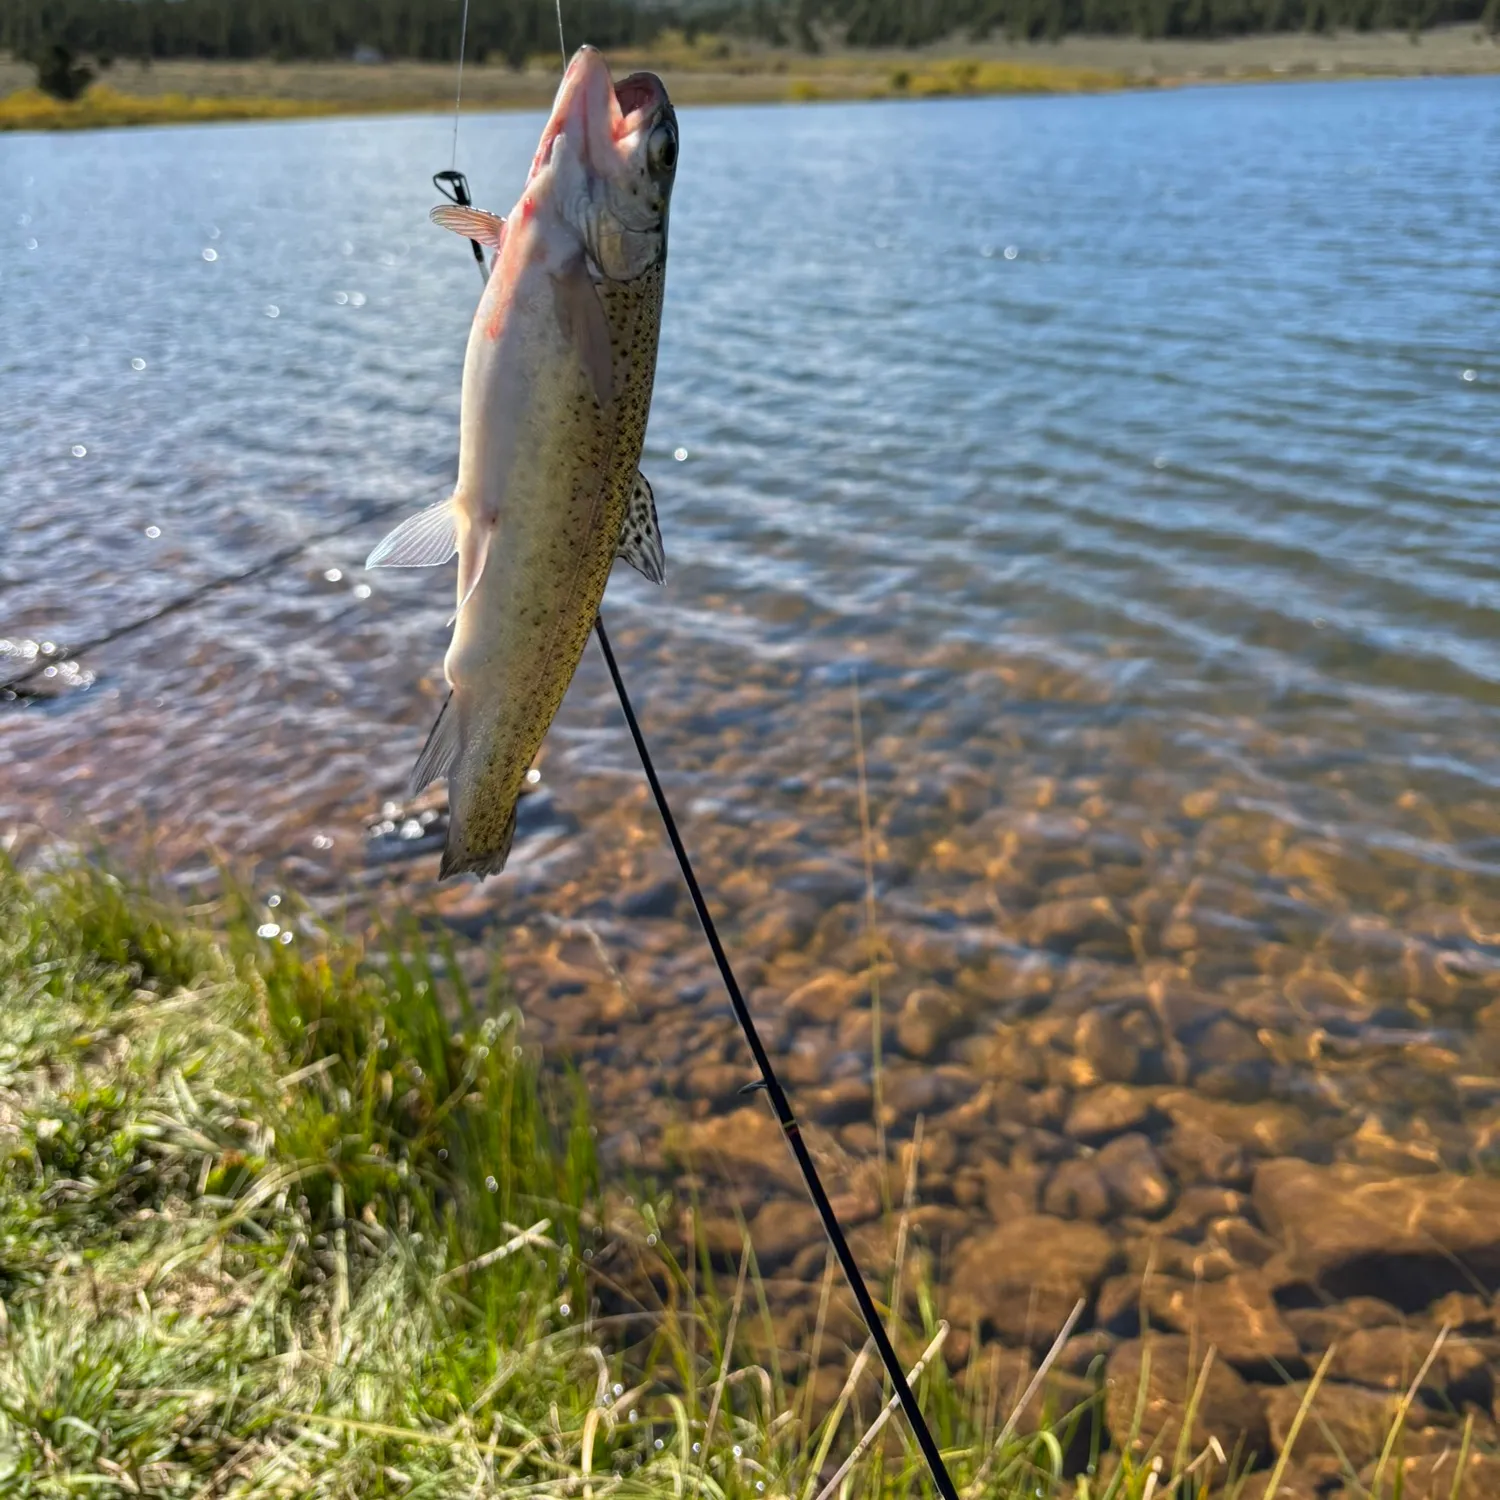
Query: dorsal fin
(640,541)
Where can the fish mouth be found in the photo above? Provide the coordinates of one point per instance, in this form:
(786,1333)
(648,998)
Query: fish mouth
(585,109)
(641,93)
(597,113)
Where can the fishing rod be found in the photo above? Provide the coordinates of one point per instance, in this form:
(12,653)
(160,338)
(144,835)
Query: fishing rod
(768,1081)
(771,1084)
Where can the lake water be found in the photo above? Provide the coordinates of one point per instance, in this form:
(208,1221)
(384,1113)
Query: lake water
(1139,453)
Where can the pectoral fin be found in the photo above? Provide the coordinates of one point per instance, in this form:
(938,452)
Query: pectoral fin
(424,540)
(640,542)
(581,315)
(473,223)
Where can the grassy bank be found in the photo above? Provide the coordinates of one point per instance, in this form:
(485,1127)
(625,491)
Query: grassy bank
(271,1225)
(240,1185)
(713,70)
(281,1217)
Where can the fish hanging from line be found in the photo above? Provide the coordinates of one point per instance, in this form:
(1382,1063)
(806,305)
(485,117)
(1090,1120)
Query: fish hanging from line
(556,392)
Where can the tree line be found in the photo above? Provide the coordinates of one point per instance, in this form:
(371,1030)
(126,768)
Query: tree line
(55,34)
(890,23)
(313,29)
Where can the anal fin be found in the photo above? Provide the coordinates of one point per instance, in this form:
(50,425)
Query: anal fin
(640,541)
(440,753)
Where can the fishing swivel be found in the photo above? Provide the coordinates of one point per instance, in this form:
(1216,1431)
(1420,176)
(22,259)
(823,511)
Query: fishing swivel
(454,186)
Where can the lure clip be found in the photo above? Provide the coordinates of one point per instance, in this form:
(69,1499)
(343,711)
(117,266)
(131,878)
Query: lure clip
(454,186)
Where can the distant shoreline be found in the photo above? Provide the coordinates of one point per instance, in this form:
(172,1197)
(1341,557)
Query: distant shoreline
(713,71)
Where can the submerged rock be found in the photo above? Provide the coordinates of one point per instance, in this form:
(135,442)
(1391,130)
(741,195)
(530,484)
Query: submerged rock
(1023,1279)
(1077,1191)
(1351,1229)
(746,1145)
(1159,1387)
(1109,1110)
(1439,1475)
(1344,1423)
(1237,1315)
(1062,926)
(782,1228)
(1134,1174)
(1390,1356)
(929,1019)
(1319,1327)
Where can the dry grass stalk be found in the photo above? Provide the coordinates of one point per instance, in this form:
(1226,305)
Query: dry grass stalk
(884,1416)
(836,1416)
(536,1235)
(1401,1411)
(908,1202)
(825,1294)
(1273,1485)
(718,1395)
(872,939)
(1033,1386)
(1190,1416)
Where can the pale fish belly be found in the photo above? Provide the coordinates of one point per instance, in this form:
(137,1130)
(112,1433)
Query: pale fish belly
(560,523)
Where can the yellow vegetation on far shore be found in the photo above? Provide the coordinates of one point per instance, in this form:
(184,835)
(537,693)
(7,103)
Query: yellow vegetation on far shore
(31,109)
(968,76)
(715,69)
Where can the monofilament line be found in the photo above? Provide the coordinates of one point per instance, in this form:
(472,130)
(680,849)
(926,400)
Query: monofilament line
(562,45)
(458,93)
(779,1101)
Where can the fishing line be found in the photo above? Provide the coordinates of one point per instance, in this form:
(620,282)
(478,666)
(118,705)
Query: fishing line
(186,601)
(458,93)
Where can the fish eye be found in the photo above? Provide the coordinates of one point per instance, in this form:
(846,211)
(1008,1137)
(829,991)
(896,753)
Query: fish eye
(661,149)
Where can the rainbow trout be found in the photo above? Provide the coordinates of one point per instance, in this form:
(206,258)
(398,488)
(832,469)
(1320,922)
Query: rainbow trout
(556,391)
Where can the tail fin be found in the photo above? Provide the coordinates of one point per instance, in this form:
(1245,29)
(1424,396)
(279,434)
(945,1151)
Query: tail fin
(460,861)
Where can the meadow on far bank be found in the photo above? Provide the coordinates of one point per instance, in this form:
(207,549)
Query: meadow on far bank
(718,70)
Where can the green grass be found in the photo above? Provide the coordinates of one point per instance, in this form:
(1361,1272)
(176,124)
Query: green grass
(243,1187)
(232,1178)
(290,1218)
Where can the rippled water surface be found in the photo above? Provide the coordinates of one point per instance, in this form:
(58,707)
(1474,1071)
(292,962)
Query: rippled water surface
(1139,453)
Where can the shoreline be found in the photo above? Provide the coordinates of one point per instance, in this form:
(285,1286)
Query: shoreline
(712,71)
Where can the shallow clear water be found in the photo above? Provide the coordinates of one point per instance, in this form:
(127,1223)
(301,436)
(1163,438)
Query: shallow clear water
(1140,452)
